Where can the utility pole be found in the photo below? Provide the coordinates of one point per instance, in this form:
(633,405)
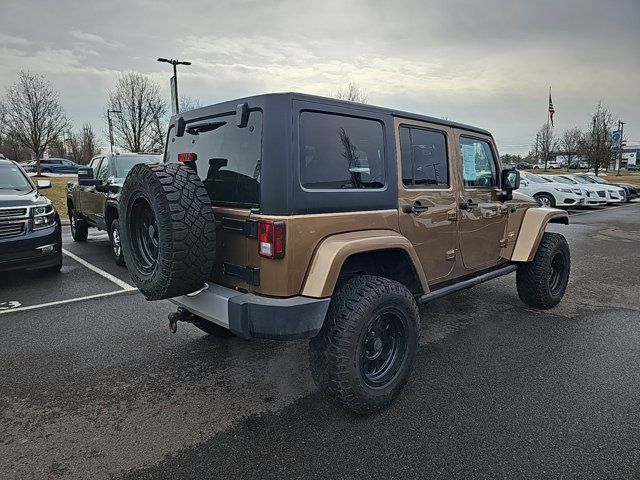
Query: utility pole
(621,129)
(174,82)
(109,112)
(537,143)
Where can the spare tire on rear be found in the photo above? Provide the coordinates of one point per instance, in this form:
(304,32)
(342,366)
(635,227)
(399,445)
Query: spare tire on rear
(167,230)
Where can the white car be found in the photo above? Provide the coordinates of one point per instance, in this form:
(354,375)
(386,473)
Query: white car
(593,194)
(551,165)
(614,194)
(548,193)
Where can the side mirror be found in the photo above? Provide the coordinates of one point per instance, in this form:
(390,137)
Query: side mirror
(86,177)
(100,187)
(42,184)
(510,180)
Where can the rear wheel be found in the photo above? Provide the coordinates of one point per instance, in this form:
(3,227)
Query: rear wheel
(116,245)
(79,228)
(545,200)
(167,232)
(542,282)
(366,348)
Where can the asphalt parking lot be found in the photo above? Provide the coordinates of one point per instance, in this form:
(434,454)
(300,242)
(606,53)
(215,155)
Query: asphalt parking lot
(92,384)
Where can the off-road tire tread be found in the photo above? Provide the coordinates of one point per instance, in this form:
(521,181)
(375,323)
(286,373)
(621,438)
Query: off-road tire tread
(532,277)
(186,225)
(328,352)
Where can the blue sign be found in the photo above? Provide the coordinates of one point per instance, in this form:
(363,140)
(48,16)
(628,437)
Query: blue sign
(615,136)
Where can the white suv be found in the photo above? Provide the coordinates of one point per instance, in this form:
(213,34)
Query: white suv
(613,193)
(548,193)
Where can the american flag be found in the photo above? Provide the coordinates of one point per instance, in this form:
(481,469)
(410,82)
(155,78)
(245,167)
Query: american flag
(551,109)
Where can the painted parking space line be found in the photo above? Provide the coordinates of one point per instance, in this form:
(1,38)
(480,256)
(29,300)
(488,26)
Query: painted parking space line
(122,284)
(606,209)
(62,302)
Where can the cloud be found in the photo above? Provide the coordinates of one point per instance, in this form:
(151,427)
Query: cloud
(487,63)
(94,39)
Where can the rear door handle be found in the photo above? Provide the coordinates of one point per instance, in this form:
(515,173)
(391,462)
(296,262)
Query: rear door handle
(416,208)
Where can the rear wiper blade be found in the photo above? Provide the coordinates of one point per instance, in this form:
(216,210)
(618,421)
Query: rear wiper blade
(204,127)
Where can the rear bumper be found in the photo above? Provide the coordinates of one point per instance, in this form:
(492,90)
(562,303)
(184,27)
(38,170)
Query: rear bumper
(254,316)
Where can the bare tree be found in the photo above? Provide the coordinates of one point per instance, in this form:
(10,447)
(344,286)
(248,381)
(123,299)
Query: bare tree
(353,93)
(569,143)
(143,111)
(189,103)
(83,144)
(33,113)
(597,144)
(546,143)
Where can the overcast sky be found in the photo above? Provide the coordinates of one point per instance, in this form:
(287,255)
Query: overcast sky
(488,63)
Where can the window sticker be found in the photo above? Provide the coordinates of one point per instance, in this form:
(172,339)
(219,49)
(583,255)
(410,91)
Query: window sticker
(468,162)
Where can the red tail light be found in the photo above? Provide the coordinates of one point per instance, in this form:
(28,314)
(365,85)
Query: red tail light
(271,239)
(187,157)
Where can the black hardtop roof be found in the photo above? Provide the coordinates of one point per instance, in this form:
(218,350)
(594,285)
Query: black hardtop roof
(231,105)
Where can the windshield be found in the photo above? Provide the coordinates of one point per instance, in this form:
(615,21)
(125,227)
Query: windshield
(581,180)
(13,180)
(533,178)
(565,180)
(125,163)
(596,180)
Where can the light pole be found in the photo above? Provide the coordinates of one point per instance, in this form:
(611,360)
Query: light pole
(109,112)
(175,80)
(621,130)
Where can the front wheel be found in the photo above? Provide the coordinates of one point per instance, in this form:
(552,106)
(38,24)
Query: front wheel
(545,200)
(542,282)
(79,228)
(366,348)
(116,245)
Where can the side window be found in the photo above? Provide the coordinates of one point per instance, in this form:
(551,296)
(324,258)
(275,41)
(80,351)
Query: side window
(103,172)
(424,158)
(340,152)
(478,163)
(94,164)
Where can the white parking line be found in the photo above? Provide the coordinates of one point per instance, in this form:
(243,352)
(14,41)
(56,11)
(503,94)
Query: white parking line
(605,209)
(122,284)
(62,302)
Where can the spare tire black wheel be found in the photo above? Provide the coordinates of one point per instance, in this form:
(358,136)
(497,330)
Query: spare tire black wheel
(167,230)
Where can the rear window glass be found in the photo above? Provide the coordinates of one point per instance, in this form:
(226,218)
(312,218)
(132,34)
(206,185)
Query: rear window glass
(424,158)
(340,152)
(229,158)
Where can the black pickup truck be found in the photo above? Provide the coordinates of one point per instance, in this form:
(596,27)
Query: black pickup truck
(92,201)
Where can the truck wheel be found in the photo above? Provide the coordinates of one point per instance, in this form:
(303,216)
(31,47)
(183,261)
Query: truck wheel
(212,329)
(167,231)
(79,228)
(366,348)
(545,200)
(116,245)
(542,282)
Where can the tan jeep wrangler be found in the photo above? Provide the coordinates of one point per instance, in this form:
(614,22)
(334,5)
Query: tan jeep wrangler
(289,216)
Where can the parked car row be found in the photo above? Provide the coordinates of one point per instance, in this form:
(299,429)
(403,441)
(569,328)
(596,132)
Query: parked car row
(574,190)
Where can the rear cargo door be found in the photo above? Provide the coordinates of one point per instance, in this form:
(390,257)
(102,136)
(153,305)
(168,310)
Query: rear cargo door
(226,152)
